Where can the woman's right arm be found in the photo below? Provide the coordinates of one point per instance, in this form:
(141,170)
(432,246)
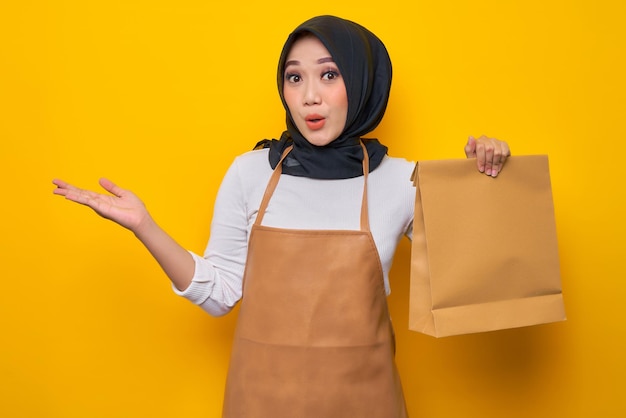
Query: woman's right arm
(126,209)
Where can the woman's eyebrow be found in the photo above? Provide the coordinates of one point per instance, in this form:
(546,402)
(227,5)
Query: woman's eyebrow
(325,60)
(319,61)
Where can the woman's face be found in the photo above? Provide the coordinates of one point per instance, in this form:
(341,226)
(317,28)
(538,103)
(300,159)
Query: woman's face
(315,92)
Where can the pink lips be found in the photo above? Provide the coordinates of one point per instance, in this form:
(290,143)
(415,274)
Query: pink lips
(315,122)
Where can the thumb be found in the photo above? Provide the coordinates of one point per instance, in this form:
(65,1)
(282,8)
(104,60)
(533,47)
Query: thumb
(470,147)
(111,187)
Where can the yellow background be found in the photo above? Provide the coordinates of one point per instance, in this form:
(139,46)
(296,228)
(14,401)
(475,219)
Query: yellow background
(161,95)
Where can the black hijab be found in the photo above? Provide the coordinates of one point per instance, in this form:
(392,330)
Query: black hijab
(365,66)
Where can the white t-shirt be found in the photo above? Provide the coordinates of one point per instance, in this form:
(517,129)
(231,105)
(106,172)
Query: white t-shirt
(297,203)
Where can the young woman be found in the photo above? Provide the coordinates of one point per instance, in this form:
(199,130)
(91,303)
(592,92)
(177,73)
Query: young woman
(303,234)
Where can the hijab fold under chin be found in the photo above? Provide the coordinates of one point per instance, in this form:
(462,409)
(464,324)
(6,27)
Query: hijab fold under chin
(365,66)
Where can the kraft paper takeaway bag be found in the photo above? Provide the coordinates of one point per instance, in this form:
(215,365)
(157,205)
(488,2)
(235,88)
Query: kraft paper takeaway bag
(484,253)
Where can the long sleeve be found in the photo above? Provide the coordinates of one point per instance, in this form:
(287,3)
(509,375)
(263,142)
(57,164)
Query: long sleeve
(217,283)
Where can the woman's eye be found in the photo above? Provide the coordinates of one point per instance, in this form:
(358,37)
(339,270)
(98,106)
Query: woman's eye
(330,75)
(292,78)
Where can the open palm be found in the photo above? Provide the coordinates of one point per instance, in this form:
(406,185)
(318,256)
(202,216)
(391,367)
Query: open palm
(121,206)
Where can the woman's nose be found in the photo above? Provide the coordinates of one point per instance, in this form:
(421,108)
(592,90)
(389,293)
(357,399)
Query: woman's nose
(311,94)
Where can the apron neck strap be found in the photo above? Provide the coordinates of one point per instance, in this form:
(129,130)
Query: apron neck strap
(365,219)
(271,186)
(269,191)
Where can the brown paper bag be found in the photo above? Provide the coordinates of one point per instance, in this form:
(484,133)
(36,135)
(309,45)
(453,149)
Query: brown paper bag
(484,253)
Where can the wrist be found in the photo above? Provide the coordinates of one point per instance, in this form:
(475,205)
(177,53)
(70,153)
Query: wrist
(144,227)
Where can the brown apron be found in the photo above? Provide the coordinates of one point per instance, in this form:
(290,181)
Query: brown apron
(313,338)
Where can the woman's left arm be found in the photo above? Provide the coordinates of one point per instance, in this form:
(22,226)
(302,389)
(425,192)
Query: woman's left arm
(490,154)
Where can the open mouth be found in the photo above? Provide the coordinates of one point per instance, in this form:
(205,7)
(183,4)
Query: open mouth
(315,122)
